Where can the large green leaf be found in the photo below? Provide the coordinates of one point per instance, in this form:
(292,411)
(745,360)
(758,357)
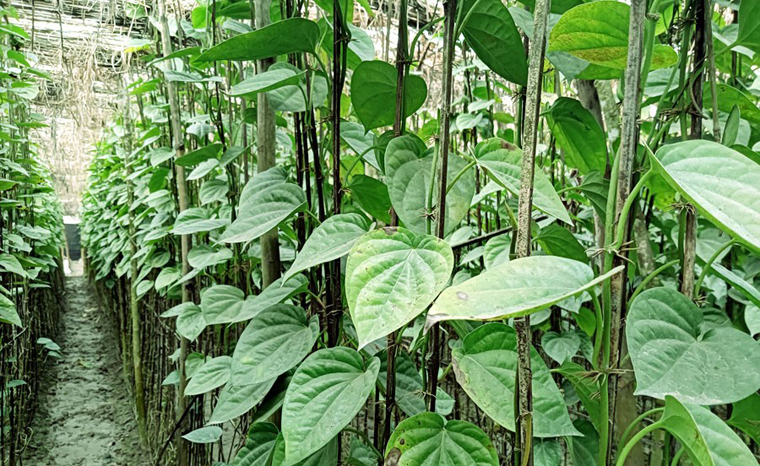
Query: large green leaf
(280,38)
(372,196)
(578,132)
(8,313)
(428,439)
(408,168)
(326,392)
(236,400)
(491,33)
(259,445)
(721,182)
(706,438)
(503,161)
(329,241)
(267,199)
(373,93)
(274,341)
(486,366)
(191,322)
(672,357)
(213,374)
(598,33)
(221,304)
(392,275)
(197,220)
(531,283)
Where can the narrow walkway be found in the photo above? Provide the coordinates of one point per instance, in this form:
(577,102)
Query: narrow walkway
(84,416)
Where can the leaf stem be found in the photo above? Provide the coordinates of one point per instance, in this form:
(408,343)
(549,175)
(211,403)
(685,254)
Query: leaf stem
(632,443)
(641,417)
(651,277)
(709,264)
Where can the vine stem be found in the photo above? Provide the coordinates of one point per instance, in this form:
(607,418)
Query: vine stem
(651,277)
(636,438)
(636,421)
(524,382)
(709,264)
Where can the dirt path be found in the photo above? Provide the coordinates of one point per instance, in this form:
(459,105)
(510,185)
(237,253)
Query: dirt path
(85,415)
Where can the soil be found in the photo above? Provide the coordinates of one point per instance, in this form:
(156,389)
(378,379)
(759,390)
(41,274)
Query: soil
(84,414)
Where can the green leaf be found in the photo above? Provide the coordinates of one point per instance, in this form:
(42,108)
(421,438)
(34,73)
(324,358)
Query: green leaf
(752,320)
(429,439)
(167,277)
(191,323)
(578,132)
(561,347)
(595,187)
(258,447)
(266,81)
(584,383)
(236,400)
(213,374)
(9,263)
(704,436)
(199,155)
(329,241)
(267,199)
(274,341)
(275,293)
(213,191)
(745,415)
(671,357)
(547,453)
(221,304)
(203,255)
(325,456)
(584,450)
(731,130)
(373,93)
(372,196)
(208,434)
(496,251)
(722,183)
(503,161)
(598,33)
(730,97)
(491,33)
(197,220)
(408,168)
(486,366)
(749,28)
(8,313)
(329,388)
(747,289)
(558,241)
(291,98)
(532,284)
(392,275)
(280,38)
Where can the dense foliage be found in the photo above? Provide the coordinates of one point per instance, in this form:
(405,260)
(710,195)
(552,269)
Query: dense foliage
(518,273)
(31,238)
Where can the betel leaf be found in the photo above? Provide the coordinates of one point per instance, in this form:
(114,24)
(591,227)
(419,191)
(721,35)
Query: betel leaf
(197,156)
(190,323)
(236,400)
(578,132)
(558,241)
(672,357)
(547,453)
(586,387)
(721,182)
(392,275)
(729,97)
(561,347)
(486,366)
(496,251)
(428,438)
(213,374)
(503,161)
(280,38)
(197,220)
(491,33)
(208,434)
(266,81)
(705,437)
(409,169)
(267,199)
(8,313)
(329,241)
(745,415)
(749,27)
(221,304)
(326,392)
(598,33)
(203,255)
(325,456)
(213,191)
(373,93)
(275,293)
(274,341)
(584,450)
(259,445)
(372,196)
(532,284)
(746,288)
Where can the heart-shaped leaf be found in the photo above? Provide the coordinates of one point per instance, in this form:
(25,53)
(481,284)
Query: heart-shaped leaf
(266,81)
(578,132)
(258,447)
(486,366)
(213,374)
(236,400)
(490,31)
(671,357)
(279,291)
(373,93)
(721,182)
(208,434)
(745,415)
(266,200)
(326,392)
(8,313)
(329,241)
(532,284)
(221,304)
(428,438)
(274,341)
(392,275)
(408,168)
(503,161)
(561,347)
(197,220)
(203,255)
